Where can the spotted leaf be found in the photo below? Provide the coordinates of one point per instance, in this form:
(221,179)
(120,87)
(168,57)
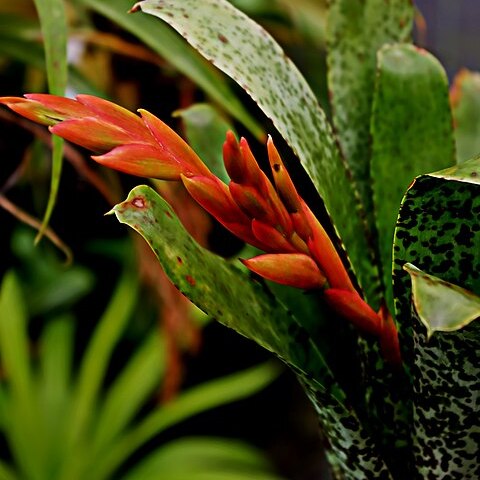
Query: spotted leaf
(438,231)
(229,295)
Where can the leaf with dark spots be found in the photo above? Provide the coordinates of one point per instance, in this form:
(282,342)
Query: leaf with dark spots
(444,368)
(222,290)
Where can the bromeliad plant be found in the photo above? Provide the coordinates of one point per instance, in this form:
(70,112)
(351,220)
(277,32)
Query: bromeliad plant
(400,402)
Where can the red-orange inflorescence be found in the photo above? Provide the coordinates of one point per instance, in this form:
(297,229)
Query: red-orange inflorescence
(271,216)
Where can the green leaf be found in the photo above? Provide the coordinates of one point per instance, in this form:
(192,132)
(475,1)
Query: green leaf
(411,135)
(230,296)
(196,400)
(247,53)
(93,369)
(24,428)
(53,21)
(203,455)
(56,352)
(206,130)
(6,473)
(465,96)
(144,370)
(356,30)
(168,45)
(441,306)
(438,231)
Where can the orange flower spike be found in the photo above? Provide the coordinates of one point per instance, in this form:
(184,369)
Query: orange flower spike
(49,113)
(243,169)
(213,195)
(92,133)
(354,309)
(174,146)
(141,160)
(285,187)
(270,236)
(250,201)
(325,253)
(292,269)
(389,343)
(240,163)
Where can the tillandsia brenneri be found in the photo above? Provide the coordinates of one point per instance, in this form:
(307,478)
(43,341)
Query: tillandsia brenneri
(271,217)
(402,409)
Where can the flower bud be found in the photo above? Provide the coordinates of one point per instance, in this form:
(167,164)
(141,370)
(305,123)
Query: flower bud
(292,269)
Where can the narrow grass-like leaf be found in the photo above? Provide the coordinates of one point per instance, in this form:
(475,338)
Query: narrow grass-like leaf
(53,21)
(23,426)
(465,97)
(31,53)
(203,455)
(206,130)
(192,402)
(6,473)
(437,231)
(230,296)
(247,53)
(56,352)
(93,369)
(411,135)
(356,30)
(145,370)
(169,46)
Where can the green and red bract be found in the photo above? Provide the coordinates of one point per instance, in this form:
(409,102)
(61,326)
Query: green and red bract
(270,216)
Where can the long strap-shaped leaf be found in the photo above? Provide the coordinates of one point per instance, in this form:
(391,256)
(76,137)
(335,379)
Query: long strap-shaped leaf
(438,232)
(247,53)
(53,20)
(465,98)
(356,30)
(228,294)
(411,135)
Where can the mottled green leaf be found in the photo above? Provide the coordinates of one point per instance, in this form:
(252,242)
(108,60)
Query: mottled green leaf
(438,231)
(248,54)
(411,135)
(356,30)
(441,306)
(465,96)
(170,46)
(229,295)
(206,130)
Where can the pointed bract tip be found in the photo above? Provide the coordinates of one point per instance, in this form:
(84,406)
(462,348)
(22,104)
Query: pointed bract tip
(291,269)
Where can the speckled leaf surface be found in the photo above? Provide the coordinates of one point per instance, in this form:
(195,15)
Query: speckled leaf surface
(465,96)
(438,231)
(229,295)
(247,53)
(356,30)
(411,132)
(441,306)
